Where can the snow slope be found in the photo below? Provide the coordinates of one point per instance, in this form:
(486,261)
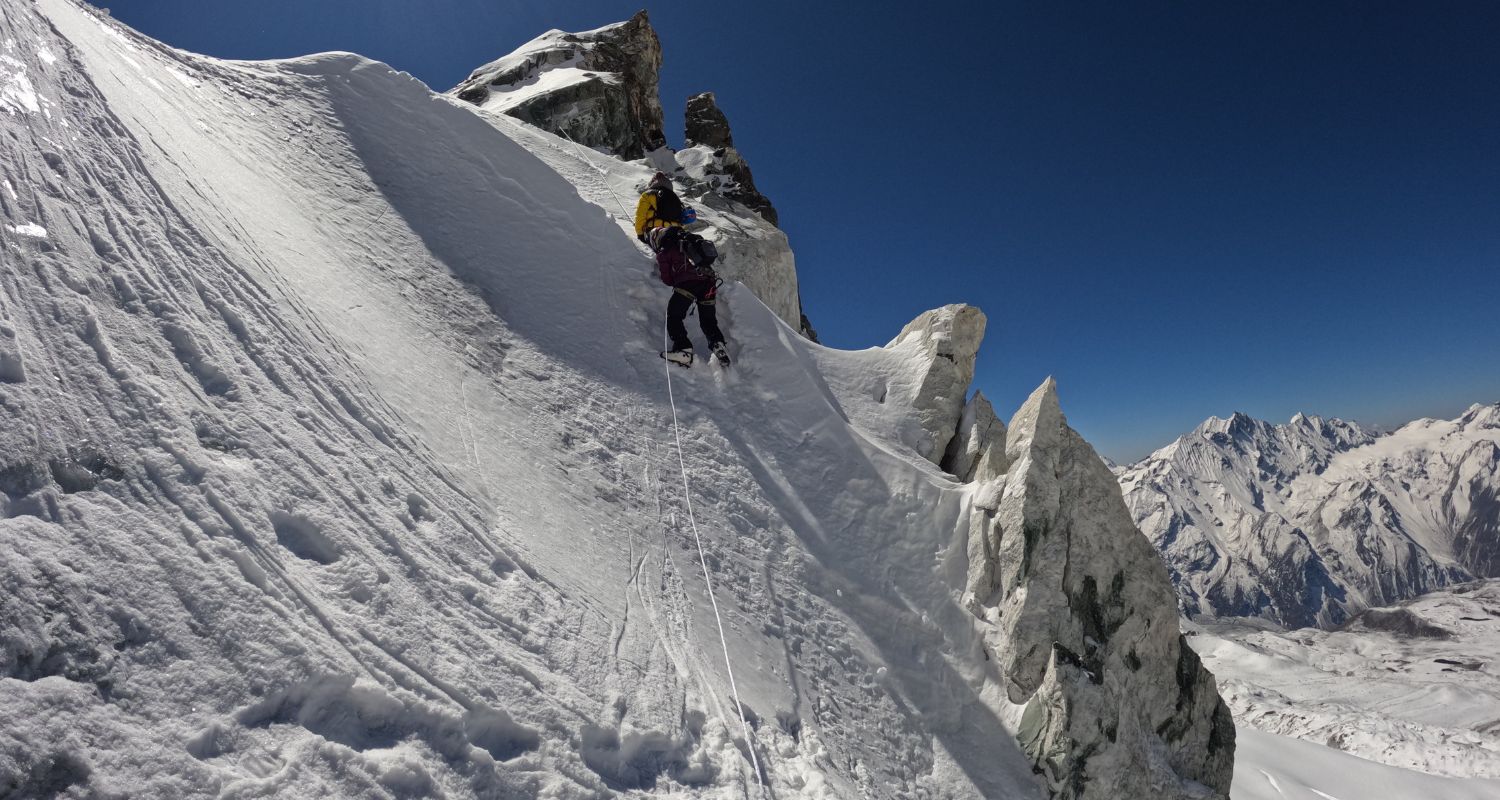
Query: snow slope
(337,461)
(1308,523)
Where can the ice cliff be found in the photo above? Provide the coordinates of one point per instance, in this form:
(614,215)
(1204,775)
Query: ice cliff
(337,460)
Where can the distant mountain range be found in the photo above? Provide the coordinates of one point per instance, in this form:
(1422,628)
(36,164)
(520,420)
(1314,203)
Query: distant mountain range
(1307,523)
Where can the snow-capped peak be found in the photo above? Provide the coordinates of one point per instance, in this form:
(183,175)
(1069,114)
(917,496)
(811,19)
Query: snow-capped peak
(1480,417)
(1308,522)
(612,70)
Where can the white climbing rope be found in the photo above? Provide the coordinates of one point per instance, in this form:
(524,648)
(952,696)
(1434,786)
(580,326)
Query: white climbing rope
(603,178)
(687,496)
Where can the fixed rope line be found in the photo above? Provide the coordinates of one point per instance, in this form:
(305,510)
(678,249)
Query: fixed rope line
(687,496)
(734,691)
(603,177)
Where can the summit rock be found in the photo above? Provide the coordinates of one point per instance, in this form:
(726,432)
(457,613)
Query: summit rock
(721,164)
(598,87)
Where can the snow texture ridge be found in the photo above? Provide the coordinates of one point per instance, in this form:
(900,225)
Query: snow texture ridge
(336,462)
(1310,522)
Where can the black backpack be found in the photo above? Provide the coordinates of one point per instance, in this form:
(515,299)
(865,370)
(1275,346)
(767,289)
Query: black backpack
(700,252)
(668,205)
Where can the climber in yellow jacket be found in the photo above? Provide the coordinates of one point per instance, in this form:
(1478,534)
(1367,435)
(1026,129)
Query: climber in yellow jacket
(659,207)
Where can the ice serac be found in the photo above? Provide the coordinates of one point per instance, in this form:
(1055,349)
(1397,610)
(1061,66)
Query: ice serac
(978,448)
(1081,622)
(944,343)
(1307,523)
(597,87)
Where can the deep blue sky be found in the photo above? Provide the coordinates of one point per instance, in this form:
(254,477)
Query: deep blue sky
(1178,209)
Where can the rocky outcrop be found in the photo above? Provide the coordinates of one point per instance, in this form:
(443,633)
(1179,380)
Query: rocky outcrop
(742,222)
(1080,619)
(598,87)
(706,124)
(1307,523)
(720,165)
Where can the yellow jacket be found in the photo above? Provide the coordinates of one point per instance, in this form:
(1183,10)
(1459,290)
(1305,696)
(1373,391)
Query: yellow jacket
(645,215)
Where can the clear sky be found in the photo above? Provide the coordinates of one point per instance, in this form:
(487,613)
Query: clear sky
(1179,209)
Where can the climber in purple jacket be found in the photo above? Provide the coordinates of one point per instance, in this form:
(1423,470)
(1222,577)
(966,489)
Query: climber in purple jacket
(684,261)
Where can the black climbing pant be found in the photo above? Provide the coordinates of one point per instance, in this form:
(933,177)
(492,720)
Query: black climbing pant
(683,297)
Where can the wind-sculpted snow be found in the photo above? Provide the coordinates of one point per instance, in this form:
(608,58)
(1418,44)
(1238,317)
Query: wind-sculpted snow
(1310,522)
(1274,767)
(337,462)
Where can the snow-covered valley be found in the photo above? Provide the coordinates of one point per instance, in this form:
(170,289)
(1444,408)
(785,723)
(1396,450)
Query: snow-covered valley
(1403,703)
(1322,523)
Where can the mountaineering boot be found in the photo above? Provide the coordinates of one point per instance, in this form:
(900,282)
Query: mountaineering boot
(682,358)
(721,353)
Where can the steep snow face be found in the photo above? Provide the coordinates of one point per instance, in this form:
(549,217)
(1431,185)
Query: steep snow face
(337,460)
(1309,522)
(244,542)
(1413,686)
(597,87)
